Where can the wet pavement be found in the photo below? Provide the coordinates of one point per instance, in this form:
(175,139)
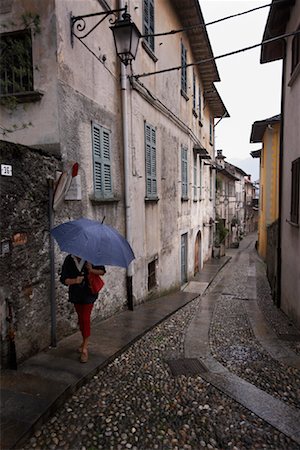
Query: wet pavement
(221,371)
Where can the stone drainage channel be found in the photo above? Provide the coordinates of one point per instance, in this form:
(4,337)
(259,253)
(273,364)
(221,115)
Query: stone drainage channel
(198,358)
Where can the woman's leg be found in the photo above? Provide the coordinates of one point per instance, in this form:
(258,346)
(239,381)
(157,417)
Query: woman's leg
(84,319)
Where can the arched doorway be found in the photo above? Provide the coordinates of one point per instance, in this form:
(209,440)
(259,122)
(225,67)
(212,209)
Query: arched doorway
(197,255)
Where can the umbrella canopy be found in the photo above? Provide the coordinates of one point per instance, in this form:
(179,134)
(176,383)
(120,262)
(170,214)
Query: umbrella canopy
(94,242)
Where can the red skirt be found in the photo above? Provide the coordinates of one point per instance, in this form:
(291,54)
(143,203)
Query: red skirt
(84,318)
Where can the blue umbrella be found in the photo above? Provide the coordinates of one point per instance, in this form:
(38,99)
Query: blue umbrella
(94,242)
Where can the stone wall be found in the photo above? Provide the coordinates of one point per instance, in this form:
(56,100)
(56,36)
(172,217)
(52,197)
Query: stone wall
(24,258)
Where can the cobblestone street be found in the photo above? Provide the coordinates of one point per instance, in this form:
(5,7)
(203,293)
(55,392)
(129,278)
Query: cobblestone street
(138,402)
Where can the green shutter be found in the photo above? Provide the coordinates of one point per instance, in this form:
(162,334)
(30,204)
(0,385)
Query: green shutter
(150,161)
(102,161)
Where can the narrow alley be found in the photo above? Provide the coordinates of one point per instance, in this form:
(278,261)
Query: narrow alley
(222,372)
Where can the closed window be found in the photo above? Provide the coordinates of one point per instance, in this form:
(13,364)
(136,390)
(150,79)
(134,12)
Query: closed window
(184,172)
(101,139)
(16,63)
(295,51)
(183,69)
(149,22)
(295,191)
(150,155)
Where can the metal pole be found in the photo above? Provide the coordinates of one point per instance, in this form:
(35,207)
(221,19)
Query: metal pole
(52,265)
(127,176)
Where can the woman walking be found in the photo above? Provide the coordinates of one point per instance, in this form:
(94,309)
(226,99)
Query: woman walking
(75,275)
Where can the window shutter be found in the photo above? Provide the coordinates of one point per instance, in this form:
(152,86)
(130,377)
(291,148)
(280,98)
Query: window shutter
(150,154)
(149,22)
(183,68)
(102,161)
(184,169)
(195,178)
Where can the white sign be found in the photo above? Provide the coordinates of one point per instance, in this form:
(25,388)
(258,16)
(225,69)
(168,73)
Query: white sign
(6,170)
(74,191)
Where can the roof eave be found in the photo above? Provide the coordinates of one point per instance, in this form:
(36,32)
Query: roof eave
(276,25)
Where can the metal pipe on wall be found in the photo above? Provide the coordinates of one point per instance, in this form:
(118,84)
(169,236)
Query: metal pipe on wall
(127,173)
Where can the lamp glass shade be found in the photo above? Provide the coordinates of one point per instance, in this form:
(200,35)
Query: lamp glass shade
(126,37)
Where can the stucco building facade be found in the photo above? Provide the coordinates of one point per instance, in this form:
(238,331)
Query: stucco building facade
(284,19)
(144,144)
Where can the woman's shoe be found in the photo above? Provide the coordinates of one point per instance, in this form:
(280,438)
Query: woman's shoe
(84,357)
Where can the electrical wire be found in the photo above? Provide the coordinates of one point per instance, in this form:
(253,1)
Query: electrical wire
(203,61)
(97,57)
(192,27)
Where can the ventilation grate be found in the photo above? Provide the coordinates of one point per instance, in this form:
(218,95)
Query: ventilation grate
(186,366)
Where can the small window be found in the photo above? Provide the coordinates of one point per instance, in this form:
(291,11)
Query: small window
(150,163)
(16,63)
(184,173)
(101,139)
(295,51)
(149,22)
(295,187)
(151,275)
(183,69)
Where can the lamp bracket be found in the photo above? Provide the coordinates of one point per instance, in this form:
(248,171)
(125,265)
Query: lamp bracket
(78,23)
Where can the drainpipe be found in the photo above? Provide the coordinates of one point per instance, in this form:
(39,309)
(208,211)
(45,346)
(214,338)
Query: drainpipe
(278,296)
(127,174)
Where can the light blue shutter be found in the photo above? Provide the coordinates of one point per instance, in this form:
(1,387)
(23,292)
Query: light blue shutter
(184,172)
(149,22)
(102,161)
(150,154)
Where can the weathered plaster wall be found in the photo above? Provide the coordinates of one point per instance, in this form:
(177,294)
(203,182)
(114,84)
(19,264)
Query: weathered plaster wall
(44,132)
(290,239)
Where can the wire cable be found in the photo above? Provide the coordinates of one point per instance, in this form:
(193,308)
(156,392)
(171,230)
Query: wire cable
(192,27)
(203,61)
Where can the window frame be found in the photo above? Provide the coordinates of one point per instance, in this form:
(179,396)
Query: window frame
(149,23)
(183,83)
(184,173)
(150,161)
(103,174)
(295,192)
(295,52)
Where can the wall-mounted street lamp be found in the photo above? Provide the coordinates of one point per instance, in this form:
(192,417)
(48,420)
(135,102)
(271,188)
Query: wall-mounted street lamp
(125,32)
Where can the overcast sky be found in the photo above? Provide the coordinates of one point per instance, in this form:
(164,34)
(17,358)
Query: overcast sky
(249,90)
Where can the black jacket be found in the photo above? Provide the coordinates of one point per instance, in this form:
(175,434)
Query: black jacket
(78,293)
